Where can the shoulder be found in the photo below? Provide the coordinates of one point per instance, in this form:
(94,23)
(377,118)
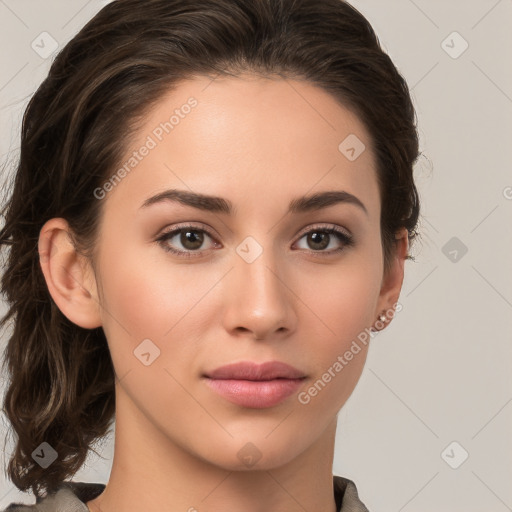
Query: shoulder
(346,495)
(70,496)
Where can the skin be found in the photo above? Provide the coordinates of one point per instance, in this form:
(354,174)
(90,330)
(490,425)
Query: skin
(177,442)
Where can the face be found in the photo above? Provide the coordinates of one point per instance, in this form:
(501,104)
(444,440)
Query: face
(190,285)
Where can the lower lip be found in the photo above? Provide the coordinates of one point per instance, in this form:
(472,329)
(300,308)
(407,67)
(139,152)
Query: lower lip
(255,394)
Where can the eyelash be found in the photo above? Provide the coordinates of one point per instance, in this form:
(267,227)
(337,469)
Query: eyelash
(342,236)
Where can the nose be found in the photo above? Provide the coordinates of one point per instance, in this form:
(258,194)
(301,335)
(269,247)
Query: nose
(260,303)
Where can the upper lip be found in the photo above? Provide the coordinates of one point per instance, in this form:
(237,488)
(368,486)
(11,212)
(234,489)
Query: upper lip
(248,370)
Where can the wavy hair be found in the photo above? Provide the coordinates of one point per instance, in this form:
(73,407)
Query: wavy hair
(78,125)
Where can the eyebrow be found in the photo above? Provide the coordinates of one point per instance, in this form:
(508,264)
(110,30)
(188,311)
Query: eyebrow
(312,202)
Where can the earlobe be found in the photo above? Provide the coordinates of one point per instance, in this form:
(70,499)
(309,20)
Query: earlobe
(393,280)
(68,275)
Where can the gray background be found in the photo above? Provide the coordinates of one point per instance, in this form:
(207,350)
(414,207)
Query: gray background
(441,373)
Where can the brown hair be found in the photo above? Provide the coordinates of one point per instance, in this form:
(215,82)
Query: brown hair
(78,125)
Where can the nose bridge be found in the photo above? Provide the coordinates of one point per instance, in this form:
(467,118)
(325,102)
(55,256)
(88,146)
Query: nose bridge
(256,270)
(260,301)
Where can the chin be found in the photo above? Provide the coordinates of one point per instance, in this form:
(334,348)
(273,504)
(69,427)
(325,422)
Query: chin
(256,454)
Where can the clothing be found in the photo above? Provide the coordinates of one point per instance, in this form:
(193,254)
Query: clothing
(72,496)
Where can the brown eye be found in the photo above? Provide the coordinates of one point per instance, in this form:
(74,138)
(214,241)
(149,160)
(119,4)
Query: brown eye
(318,239)
(193,237)
(189,241)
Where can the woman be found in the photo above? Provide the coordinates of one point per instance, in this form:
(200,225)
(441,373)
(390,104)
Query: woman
(208,223)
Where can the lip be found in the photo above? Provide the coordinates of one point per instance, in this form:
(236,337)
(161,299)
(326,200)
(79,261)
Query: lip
(254,385)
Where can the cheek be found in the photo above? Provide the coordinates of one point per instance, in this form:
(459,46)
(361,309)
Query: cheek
(147,297)
(141,290)
(342,305)
(132,296)
(342,300)
(344,309)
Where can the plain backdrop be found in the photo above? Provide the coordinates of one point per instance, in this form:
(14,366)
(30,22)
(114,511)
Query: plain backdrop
(428,426)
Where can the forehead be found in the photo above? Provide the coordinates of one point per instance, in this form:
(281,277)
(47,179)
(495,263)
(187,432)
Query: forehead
(249,138)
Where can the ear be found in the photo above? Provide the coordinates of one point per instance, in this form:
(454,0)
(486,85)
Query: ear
(68,274)
(393,278)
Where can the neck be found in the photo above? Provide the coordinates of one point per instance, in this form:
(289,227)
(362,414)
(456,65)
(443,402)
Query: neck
(149,470)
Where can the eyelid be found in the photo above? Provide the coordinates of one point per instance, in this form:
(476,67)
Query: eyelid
(199,226)
(183,225)
(162,237)
(324,225)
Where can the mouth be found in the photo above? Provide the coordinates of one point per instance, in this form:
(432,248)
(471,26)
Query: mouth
(253,385)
